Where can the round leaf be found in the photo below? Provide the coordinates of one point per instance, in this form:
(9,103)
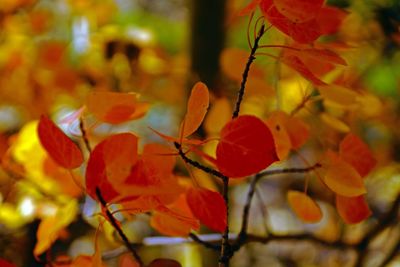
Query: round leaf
(246,147)
(352,209)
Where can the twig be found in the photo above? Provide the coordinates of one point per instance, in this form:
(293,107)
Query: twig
(246,71)
(197,164)
(204,243)
(84,135)
(389,218)
(119,230)
(246,210)
(226,252)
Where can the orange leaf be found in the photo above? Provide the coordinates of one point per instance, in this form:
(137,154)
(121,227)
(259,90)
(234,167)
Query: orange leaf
(174,220)
(298,131)
(296,64)
(355,152)
(352,209)
(4,263)
(324,55)
(196,110)
(276,123)
(112,158)
(208,206)
(299,11)
(341,177)
(115,108)
(304,207)
(60,148)
(246,147)
(164,263)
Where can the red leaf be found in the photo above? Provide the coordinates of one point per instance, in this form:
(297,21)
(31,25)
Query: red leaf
(299,11)
(246,147)
(295,63)
(355,152)
(329,19)
(60,148)
(113,158)
(305,32)
(4,263)
(209,207)
(352,209)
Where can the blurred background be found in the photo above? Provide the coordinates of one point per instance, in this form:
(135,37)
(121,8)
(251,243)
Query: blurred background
(54,52)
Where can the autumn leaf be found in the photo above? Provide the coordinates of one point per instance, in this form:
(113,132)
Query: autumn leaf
(60,148)
(276,123)
(110,163)
(246,147)
(304,206)
(352,209)
(299,11)
(4,263)
(51,227)
(341,177)
(209,207)
(355,152)
(298,65)
(175,220)
(115,108)
(196,109)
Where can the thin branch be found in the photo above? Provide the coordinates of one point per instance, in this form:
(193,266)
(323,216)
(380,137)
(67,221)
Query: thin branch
(197,164)
(226,252)
(204,243)
(116,226)
(389,218)
(246,71)
(252,187)
(84,135)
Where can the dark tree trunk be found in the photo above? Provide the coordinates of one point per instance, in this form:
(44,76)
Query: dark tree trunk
(207,40)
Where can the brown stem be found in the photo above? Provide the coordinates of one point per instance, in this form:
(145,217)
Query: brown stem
(116,226)
(84,135)
(247,70)
(246,210)
(197,164)
(226,252)
(389,218)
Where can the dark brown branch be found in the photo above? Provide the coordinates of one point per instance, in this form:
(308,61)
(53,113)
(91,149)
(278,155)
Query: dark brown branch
(389,218)
(247,70)
(84,135)
(226,252)
(197,164)
(205,244)
(246,210)
(116,226)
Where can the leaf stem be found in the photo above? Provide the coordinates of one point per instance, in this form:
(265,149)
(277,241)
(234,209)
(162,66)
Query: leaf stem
(246,71)
(197,164)
(116,226)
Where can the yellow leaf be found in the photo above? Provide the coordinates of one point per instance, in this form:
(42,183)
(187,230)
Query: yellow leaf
(334,123)
(341,177)
(338,94)
(304,207)
(51,227)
